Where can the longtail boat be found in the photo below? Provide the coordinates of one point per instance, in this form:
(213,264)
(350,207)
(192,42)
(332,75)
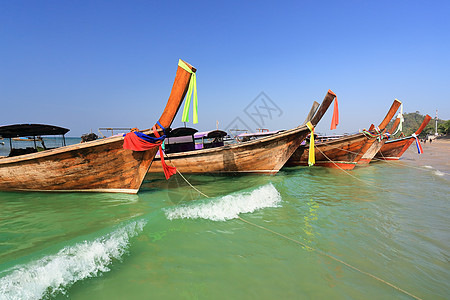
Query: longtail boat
(96,166)
(394,149)
(344,152)
(265,155)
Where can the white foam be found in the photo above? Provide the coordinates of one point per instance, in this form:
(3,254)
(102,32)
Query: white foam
(228,207)
(439,173)
(428,167)
(53,274)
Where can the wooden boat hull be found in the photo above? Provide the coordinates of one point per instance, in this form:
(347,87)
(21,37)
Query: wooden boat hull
(346,152)
(96,166)
(266,155)
(379,142)
(342,153)
(371,152)
(394,149)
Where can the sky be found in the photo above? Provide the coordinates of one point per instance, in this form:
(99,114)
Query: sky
(90,64)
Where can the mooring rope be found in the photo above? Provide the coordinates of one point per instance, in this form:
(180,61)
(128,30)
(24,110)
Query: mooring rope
(333,258)
(304,245)
(379,159)
(365,182)
(187,181)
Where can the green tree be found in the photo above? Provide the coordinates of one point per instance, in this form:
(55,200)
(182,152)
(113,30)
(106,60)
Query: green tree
(414,120)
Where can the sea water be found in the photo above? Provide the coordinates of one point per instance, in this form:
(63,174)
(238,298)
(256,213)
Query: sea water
(49,142)
(389,220)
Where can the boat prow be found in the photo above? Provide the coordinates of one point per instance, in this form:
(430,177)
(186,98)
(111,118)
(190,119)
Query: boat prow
(95,166)
(395,148)
(265,155)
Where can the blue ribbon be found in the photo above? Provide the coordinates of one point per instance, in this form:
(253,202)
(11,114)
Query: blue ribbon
(151,139)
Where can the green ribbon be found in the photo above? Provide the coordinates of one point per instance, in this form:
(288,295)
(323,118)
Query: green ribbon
(192,91)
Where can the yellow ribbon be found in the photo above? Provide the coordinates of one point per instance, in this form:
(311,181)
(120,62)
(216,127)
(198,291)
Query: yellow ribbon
(192,91)
(311,157)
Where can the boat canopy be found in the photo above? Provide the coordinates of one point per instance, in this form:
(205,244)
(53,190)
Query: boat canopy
(21,130)
(181,131)
(210,134)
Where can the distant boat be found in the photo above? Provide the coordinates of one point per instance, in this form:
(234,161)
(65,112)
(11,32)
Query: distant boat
(344,152)
(262,156)
(96,166)
(394,149)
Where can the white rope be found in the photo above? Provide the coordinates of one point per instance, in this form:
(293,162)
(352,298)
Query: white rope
(399,116)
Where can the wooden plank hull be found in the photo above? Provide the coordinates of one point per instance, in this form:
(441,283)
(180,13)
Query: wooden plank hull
(393,150)
(371,152)
(379,142)
(265,156)
(96,166)
(341,153)
(346,152)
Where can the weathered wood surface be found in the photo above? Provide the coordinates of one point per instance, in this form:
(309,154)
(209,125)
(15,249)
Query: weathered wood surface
(266,155)
(96,166)
(377,144)
(394,149)
(345,152)
(338,153)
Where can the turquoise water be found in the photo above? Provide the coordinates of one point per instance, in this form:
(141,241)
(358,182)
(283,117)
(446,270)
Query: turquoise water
(170,242)
(50,142)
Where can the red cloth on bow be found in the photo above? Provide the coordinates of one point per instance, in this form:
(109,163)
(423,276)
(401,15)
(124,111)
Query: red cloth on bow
(135,143)
(335,119)
(168,170)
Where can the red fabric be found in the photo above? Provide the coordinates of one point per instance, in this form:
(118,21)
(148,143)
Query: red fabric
(168,170)
(419,146)
(133,142)
(335,119)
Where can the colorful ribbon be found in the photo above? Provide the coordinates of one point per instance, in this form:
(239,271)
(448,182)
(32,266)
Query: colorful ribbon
(335,118)
(399,116)
(138,141)
(192,91)
(377,134)
(418,145)
(311,157)
(168,170)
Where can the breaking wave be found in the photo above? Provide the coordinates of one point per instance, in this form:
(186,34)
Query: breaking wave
(439,173)
(53,274)
(228,207)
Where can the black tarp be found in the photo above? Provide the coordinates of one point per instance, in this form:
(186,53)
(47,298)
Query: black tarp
(20,130)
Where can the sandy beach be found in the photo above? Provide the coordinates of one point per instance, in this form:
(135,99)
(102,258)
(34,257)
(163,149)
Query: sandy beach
(436,155)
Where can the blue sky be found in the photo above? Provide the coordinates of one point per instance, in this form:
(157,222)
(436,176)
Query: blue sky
(90,64)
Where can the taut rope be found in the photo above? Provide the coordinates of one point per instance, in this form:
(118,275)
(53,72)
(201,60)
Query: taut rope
(306,246)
